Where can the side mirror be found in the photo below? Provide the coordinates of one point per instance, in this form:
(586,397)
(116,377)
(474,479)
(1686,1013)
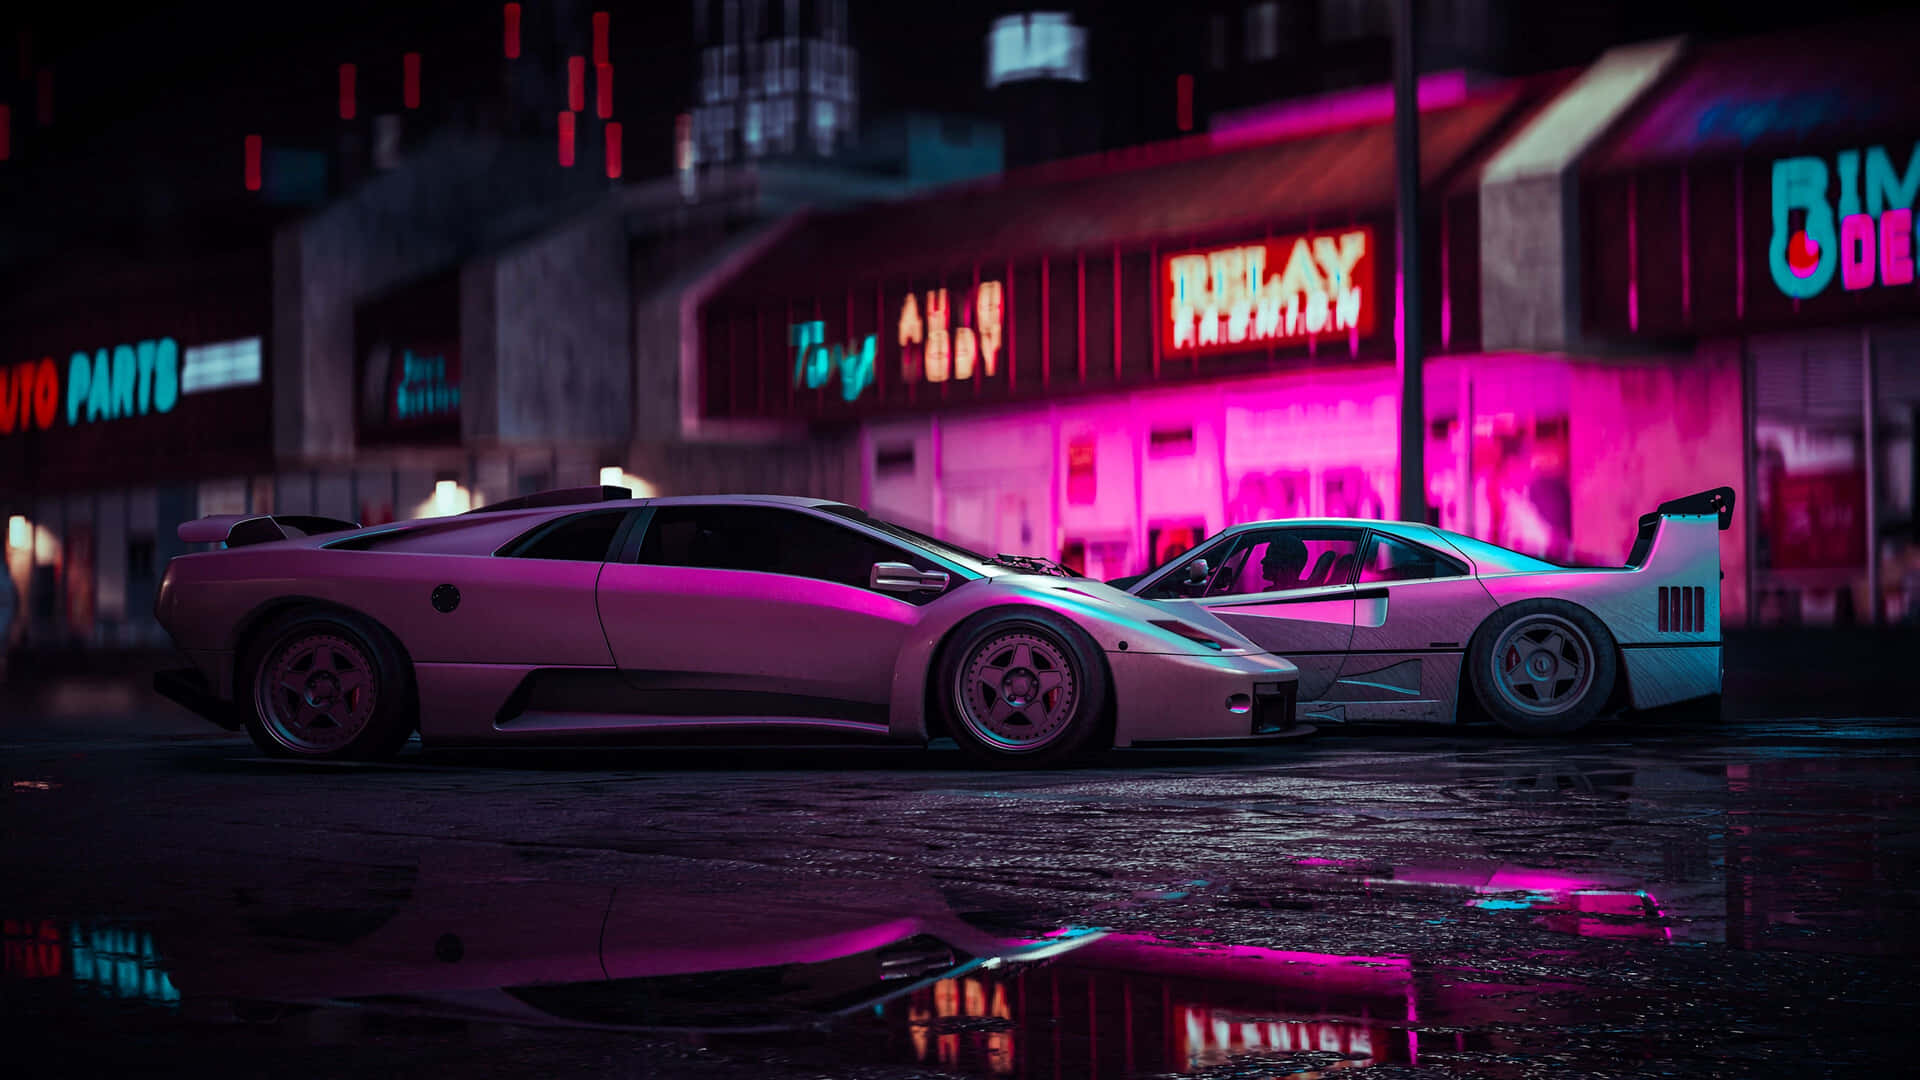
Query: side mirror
(1197,572)
(899,577)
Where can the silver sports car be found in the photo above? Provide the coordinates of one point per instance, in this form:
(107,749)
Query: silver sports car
(1386,619)
(582,615)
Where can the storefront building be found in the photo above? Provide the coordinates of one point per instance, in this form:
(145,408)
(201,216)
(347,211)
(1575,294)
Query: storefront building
(121,391)
(1758,205)
(1106,360)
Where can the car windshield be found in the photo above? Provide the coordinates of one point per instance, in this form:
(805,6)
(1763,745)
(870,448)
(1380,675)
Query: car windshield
(940,547)
(1184,557)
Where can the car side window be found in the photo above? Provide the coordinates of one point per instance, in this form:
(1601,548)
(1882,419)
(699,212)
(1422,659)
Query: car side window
(1282,560)
(770,540)
(580,538)
(1390,559)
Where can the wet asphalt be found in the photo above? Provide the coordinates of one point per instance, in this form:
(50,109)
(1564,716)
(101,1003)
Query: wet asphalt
(1653,898)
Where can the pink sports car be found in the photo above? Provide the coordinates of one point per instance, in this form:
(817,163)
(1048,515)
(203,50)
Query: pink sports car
(584,614)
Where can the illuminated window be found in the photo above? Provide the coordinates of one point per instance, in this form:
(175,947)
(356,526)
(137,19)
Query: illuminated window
(1263,31)
(752,133)
(823,126)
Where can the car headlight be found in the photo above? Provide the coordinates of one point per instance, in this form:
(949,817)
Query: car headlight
(1191,633)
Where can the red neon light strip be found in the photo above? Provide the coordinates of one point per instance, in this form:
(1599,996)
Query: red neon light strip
(1116,312)
(1153,302)
(600,38)
(511,42)
(1080,298)
(1007,335)
(566,139)
(347,102)
(1046,324)
(1633,254)
(1183,101)
(1739,238)
(1686,246)
(410,77)
(576,83)
(253,162)
(603,89)
(613,151)
(1446,286)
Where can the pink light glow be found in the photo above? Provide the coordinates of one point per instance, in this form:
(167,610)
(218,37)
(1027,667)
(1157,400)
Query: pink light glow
(600,37)
(510,43)
(566,139)
(613,151)
(6,132)
(1183,101)
(1857,256)
(603,89)
(1896,247)
(1365,105)
(576,83)
(1633,257)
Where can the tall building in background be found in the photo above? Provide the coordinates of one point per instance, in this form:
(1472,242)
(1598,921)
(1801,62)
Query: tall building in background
(1037,79)
(778,79)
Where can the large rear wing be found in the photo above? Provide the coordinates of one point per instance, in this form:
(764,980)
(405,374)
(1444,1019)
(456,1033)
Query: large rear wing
(1699,517)
(239,530)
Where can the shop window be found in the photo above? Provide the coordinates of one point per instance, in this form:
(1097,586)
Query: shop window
(1389,559)
(769,541)
(580,538)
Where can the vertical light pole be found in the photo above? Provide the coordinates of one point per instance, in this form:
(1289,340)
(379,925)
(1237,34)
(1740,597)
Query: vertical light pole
(1406,159)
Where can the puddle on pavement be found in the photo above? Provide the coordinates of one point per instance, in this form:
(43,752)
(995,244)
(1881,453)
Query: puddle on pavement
(899,973)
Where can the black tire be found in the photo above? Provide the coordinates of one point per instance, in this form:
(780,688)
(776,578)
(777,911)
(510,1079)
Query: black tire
(1008,710)
(1543,667)
(347,664)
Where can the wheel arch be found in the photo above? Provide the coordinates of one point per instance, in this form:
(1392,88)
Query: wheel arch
(933,708)
(1466,701)
(264,614)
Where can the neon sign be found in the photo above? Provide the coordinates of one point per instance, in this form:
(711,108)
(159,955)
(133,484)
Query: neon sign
(29,395)
(1043,45)
(932,347)
(424,389)
(1867,237)
(127,380)
(1227,298)
(814,361)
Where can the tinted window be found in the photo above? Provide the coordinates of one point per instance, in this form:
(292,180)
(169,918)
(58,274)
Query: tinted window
(1277,560)
(770,541)
(1395,560)
(582,538)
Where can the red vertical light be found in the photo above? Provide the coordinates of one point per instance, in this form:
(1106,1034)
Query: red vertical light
(253,163)
(6,132)
(410,76)
(613,151)
(511,44)
(347,100)
(600,38)
(576,83)
(603,89)
(43,87)
(1183,101)
(566,139)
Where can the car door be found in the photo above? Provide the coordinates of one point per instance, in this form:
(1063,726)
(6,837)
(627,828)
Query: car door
(1415,610)
(1288,589)
(731,610)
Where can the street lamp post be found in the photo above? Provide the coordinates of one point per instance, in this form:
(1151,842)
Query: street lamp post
(1406,154)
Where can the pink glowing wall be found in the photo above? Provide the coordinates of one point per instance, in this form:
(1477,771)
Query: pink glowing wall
(1647,431)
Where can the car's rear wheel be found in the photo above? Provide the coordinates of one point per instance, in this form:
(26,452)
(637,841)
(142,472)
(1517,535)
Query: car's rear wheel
(1543,667)
(327,684)
(1022,689)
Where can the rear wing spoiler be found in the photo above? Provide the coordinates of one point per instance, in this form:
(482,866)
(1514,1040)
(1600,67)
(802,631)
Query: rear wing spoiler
(239,530)
(1716,503)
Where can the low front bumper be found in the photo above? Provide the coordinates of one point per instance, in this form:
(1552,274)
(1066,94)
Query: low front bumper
(188,687)
(1162,698)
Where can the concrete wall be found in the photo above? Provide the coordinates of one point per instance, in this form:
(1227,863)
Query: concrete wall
(1644,432)
(1529,264)
(454,196)
(558,312)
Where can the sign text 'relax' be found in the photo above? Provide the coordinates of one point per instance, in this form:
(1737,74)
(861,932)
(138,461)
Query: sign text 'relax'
(1279,291)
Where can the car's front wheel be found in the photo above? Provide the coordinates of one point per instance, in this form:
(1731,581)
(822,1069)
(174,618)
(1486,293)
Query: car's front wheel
(326,684)
(1022,689)
(1543,667)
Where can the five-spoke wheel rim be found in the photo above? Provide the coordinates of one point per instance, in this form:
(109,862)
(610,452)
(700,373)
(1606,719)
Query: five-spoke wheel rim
(1017,691)
(316,693)
(1543,665)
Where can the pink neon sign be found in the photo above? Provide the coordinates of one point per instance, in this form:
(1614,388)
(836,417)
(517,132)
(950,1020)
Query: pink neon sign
(1278,291)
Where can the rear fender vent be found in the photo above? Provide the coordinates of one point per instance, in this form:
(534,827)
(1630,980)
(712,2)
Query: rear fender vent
(1682,609)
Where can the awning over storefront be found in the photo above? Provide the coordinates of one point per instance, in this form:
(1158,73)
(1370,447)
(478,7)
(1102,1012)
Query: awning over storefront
(1767,183)
(1108,271)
